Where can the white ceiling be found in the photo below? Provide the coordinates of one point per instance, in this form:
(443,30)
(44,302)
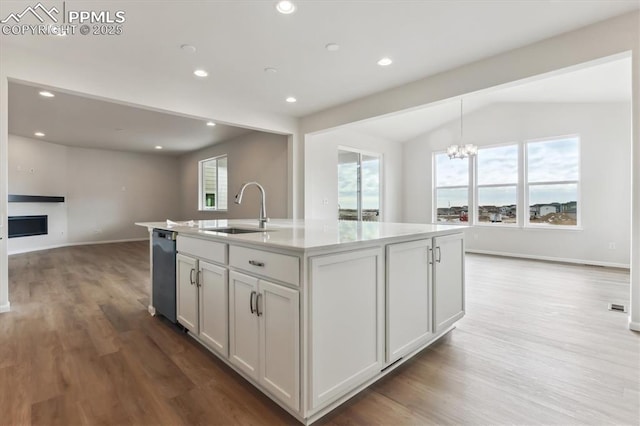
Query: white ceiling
(236,40)
(80,121)
(607,82)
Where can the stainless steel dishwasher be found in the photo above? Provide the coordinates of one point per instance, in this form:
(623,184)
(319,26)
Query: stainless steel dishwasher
(164,273)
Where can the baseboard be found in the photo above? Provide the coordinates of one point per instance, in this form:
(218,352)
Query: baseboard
(633,325)
(86,243)
(5,308)
(551,259)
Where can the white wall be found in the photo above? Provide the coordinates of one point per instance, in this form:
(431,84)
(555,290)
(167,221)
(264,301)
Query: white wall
(106,192)
(321,172)
(605,135)
(257,156)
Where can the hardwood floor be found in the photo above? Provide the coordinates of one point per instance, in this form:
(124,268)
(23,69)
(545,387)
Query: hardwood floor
(538,346)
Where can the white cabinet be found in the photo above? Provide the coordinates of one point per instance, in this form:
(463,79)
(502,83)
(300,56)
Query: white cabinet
(202,301)
(264,336)
(309,327)
(187,292)
(409,297)
(448,280)
(346,319)
(244,324)
(214,308)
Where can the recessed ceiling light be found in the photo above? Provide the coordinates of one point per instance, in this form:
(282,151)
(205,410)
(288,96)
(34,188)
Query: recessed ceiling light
(47,94)
(270,70)
(385,62)
(332,47)
(39,134)
(210,123)
(188,48)
(158,147)
(286,7)
(200,73)
(291,99)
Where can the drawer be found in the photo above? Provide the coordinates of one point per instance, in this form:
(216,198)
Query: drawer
(273,265)
(204,249)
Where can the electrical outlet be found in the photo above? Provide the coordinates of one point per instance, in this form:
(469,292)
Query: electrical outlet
(612,246)
(325,201)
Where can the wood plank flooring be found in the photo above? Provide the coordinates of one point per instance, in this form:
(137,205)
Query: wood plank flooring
(538,346)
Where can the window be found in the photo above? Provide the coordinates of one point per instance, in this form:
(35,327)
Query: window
(213,183)
(542,174)
(358,186)
(497,185)
(451,189)
(553,172)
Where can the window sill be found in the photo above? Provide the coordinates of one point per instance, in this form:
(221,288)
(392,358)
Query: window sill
(213,210)
(552,227)
(498,225)
(531,227)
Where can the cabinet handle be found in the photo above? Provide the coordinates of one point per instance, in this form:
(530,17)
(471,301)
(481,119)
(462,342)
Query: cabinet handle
(438,254)
(258,299)
(198,275)
(430,256)
(251,298)
(256,263)
(191,280)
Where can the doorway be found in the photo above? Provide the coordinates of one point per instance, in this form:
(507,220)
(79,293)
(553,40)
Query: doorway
(359,185)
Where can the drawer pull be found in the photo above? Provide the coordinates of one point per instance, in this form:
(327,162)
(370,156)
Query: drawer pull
(251,302)
(256,263)
(258,299)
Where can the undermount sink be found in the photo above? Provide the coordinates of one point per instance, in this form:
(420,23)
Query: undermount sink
(234,230)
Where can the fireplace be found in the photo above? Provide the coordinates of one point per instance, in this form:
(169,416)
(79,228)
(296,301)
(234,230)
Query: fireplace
(26,226)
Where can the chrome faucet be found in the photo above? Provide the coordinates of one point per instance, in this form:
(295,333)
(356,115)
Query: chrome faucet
(263,219)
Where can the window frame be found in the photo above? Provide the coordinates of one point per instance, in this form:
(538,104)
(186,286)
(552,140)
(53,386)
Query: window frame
(526,185)
(516,185)
(435,187)
(381,185)
(522,188)
(201,195)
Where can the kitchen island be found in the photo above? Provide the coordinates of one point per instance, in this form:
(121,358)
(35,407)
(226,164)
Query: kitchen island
(312,312)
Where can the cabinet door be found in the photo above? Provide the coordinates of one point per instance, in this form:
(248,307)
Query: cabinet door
(187,292)
(448,280)
(214,305)
(278,309)
(347,322)
(243,324)
(408,297)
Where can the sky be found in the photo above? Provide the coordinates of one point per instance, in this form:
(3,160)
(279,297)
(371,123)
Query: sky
(547,161)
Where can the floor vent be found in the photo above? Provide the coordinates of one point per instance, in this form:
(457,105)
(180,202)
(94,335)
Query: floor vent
(617,308)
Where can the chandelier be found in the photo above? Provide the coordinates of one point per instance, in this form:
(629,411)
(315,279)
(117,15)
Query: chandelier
(463,150)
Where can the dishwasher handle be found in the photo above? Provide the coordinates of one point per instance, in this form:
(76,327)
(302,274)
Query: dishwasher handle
(165,235)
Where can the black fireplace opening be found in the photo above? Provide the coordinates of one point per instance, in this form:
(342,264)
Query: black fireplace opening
(26,226)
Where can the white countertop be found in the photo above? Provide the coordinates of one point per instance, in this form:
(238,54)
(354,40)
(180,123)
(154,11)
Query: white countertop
(307,234)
